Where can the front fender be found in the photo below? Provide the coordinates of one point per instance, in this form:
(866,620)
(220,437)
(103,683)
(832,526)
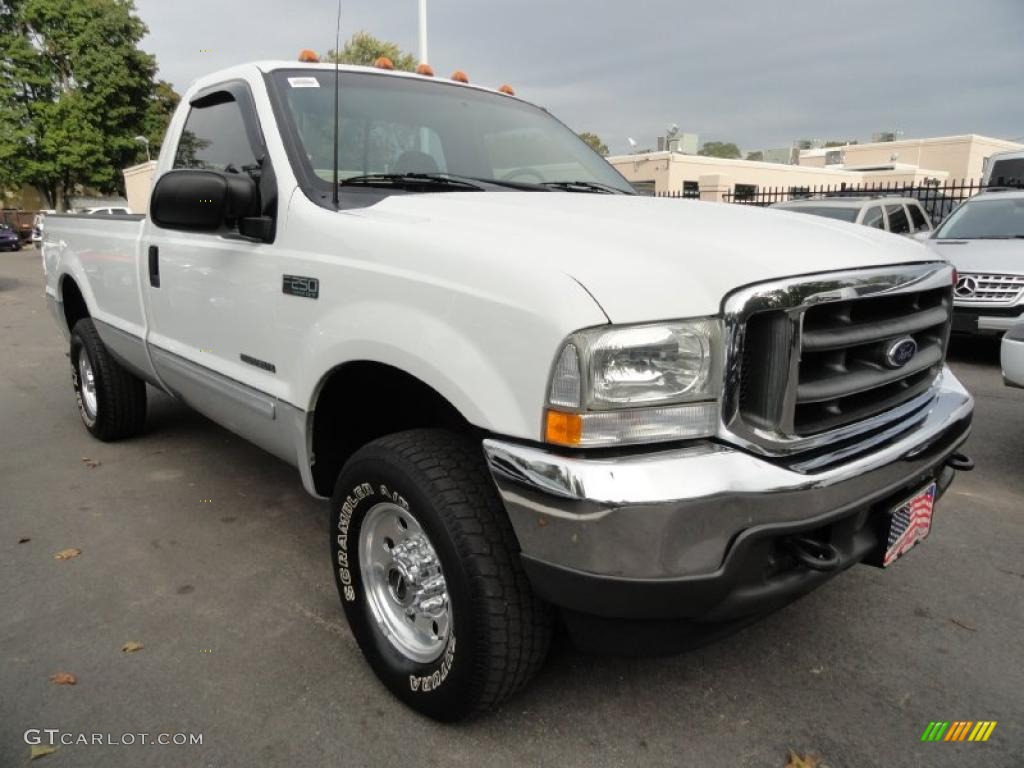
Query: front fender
(475,375)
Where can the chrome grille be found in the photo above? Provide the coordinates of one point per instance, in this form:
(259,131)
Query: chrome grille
(988,289)
(812,360)
(844,374)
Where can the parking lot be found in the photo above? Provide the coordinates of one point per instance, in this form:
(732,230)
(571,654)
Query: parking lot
(208,552)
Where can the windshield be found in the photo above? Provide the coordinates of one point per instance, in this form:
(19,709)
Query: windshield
(829,211)
(981,219)
(393,125)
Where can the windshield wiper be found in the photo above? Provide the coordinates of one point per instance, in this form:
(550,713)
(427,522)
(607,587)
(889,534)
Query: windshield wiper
(1000,237)
(584,186)
(410,180)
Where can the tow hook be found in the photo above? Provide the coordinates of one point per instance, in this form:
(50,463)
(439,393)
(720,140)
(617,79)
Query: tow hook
(960,462)
(816,555)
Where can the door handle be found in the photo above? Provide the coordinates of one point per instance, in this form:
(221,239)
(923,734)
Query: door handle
(154,266)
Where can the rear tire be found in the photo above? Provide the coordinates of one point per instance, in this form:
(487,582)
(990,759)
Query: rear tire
(111,401)
(446,513)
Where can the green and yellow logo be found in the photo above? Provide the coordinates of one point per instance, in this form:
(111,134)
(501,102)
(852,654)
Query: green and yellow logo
(959,730)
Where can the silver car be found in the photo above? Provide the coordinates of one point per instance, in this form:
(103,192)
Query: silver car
(984,239)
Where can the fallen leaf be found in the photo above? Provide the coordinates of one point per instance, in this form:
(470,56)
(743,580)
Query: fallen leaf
(42,750)
(132,647)
(90,463)
(807,761)
(817,670)
(67,554)
(24,540)
(963,624)
(63,678)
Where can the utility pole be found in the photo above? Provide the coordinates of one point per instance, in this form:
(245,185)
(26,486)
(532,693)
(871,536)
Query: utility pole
(423,32)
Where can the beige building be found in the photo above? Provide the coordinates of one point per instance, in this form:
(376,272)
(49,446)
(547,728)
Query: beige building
(961,157)
(138,183)
(711,178)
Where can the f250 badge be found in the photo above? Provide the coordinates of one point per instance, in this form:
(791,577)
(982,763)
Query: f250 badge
(297,285)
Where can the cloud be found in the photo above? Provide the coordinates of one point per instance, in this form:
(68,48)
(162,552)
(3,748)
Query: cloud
(759,74)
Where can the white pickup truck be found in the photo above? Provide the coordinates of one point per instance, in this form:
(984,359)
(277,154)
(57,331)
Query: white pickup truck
(527,392)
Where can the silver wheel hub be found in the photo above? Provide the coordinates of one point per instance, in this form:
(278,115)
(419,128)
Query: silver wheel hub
(404,585)
(87,384)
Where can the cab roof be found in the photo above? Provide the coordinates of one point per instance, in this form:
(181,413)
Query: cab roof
(266,67)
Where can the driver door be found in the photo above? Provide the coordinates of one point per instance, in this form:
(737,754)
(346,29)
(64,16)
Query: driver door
(211,301)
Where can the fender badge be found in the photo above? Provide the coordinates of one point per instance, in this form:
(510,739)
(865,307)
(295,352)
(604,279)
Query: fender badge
(305,287)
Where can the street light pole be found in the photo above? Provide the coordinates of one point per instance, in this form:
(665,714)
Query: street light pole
(144,140)
(423,32)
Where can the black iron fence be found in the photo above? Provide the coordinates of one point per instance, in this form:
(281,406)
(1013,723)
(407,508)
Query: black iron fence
(938,199)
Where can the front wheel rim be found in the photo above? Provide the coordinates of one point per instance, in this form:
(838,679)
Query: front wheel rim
(87,385)
(403,582)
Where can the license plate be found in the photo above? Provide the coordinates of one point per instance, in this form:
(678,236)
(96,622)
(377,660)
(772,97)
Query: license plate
(909,523)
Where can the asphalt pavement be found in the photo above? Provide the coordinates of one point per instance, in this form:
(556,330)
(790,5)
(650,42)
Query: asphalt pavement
(207,552)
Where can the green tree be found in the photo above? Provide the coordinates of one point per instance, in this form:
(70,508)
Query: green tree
(757,155)
(595,143)
(159,110)
(74,92)
(720,149)
(364,49)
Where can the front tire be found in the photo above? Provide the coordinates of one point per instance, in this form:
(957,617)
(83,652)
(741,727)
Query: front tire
(111,401)
(427,567)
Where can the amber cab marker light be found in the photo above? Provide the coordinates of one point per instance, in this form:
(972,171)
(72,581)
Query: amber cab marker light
(307,56)
(460,77)
(563,428)
(507,89)
(383,62)
(425,69)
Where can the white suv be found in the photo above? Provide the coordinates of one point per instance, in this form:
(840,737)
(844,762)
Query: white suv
(899,215)
(984,240)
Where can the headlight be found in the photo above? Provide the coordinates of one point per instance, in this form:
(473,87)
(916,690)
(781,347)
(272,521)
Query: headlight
(636,384)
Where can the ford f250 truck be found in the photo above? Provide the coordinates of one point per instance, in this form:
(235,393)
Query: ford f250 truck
(529,393)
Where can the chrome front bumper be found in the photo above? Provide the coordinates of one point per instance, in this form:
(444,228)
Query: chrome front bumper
(677,514)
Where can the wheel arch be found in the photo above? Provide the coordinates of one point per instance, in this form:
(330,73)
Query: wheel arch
(361,400)
(73,301)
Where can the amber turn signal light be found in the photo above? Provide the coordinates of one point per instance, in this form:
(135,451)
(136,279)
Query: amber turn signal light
(459,76)
(383,62)
(425,69)
(308,56)
(507,89)
(563,428)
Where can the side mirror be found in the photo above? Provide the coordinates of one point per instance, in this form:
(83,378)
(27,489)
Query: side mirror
(203,201)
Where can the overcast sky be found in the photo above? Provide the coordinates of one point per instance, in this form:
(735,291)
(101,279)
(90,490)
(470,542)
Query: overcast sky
(761,74)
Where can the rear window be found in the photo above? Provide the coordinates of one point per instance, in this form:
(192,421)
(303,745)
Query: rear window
(1008,173)
(828,211)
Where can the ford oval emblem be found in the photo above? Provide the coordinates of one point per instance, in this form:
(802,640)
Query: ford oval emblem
(900,352)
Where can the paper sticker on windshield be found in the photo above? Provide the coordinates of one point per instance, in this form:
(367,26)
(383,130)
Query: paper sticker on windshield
(303,82)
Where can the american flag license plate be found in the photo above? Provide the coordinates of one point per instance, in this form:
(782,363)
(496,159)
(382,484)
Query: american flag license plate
(909,523)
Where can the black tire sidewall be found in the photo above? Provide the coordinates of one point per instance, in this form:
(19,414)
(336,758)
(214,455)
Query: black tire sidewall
(80,346)
(446,688)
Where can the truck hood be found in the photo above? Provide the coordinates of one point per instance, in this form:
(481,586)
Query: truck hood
(987,256)
(643,258)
